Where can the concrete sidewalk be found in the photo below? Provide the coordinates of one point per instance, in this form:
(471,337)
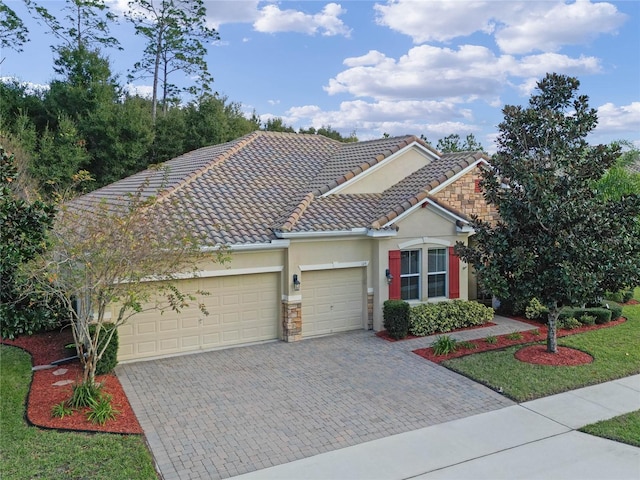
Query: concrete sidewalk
(533,440)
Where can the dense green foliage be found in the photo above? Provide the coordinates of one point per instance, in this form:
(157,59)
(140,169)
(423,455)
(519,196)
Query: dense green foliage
(23,232)
(557,239)
(30,452)
(109,358)
(395,315)
(441,317)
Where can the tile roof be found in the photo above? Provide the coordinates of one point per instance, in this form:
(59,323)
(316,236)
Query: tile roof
(247,190)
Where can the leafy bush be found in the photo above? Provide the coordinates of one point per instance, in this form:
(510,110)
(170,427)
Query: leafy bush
(587,319)
(569,323)
(616,311)
(109,358)
(603,315)
(535,309)
(430,318)
(444,345)
(621,296)
(396,318)
(567,313)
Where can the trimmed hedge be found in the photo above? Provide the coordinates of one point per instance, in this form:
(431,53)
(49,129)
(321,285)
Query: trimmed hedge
(442,317)
(109,358)
(396,318)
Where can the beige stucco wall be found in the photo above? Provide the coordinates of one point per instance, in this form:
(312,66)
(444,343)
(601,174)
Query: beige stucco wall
(379,179)
(422,229)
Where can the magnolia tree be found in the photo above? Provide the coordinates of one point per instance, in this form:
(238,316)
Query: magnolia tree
(557,239)
(123,255)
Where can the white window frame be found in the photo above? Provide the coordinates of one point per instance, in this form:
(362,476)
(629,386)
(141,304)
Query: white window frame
(439,272)
(418,275)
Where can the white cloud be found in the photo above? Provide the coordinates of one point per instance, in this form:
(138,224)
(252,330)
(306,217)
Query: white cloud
(272,20)
(424,72)
(624,118)
(519,27)
(562,24)
(437,20)
(145,91)
(30,87)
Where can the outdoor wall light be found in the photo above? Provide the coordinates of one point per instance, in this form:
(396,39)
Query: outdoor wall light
(296,282)
(387,274)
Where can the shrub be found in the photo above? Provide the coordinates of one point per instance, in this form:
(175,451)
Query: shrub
(491,339)
(444,345)
(109,358)
(102,410)
(61,410)
(616,311)
(514,336)
(621,296)
(569,323)
(535,309)
(85,395)
(627,295)
(603,315)
(396,318)
(587,319)
(467,345)
(566,313)
(429,318)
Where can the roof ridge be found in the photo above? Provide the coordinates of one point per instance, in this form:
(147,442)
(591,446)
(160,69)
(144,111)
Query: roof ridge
(425,191)
(406,141)
(297,213)
(242,142)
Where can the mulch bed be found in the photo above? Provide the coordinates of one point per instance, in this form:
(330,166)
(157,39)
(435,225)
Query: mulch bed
(385,336)
(538,334)
(565,356)
(43,395)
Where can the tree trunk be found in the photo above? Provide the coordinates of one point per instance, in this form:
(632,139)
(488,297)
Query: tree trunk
(552,339)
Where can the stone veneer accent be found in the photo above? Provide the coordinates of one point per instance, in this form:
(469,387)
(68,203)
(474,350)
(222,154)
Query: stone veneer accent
(461,195)
(291,321)
(370,312)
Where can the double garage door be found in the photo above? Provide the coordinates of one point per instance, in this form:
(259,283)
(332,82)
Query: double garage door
(242,309)
(332,301)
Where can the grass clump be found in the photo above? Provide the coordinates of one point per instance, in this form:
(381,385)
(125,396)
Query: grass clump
(444,345)
(29,452)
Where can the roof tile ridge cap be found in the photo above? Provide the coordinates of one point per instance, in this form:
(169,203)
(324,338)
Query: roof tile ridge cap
(400,209)
(242,142)
(297,213)
(355,171)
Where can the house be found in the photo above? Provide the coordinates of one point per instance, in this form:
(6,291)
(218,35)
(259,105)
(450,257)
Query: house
(321,234)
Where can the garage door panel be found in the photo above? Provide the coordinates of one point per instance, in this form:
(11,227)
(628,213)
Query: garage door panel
(242,309)
(332,301)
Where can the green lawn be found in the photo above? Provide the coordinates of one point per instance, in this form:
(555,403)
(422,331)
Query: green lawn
(614,349)
(29,452)
(625,428)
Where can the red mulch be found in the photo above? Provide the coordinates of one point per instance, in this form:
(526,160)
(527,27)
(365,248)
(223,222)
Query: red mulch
(385,336)
(633,301)
(43,395)
(503,341)
(564,356)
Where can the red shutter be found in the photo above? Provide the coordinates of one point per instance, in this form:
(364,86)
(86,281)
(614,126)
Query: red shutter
(454,274)
(394,269)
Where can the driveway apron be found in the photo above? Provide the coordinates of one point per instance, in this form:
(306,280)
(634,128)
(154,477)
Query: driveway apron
(223,413)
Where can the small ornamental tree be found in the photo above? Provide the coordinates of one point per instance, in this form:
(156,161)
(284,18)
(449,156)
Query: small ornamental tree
(124,254)
(556,239)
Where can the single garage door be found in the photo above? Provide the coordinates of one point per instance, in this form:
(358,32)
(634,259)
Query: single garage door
(242,309)
(332,301)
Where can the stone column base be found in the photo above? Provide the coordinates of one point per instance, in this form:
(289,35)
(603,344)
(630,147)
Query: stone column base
(291,321)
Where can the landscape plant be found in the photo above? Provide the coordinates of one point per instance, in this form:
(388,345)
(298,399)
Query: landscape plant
(556,239)
(110,260)
(444,345)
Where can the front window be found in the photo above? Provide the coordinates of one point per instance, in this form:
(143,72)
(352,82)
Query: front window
(437,273)
(410,275)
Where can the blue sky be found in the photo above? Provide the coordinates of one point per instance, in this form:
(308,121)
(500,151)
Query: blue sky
(419,67)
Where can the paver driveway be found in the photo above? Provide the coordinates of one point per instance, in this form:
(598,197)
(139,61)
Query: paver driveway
(227,412)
